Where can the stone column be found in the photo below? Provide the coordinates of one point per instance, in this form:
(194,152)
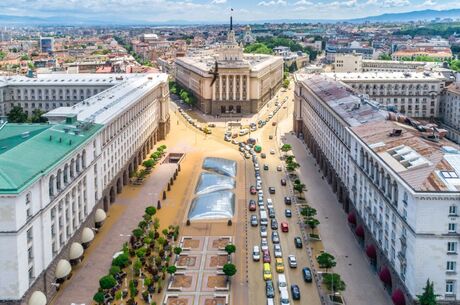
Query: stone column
(220,88)
(241,87)
(226,87)
(248,88)
(234,87)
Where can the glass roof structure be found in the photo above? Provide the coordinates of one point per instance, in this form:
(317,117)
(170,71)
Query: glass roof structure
(221,166)
(214,206)
(211,182)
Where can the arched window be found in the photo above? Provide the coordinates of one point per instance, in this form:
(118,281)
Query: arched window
(83,159)
(77,164)
(51,186)
(59,180)
(66,174)
(72,168)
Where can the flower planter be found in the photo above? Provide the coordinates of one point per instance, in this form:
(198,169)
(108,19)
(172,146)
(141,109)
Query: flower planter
(336,299)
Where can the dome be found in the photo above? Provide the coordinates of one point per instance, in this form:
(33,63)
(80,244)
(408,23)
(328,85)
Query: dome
(221,166)
(76,251)
(87,235)
(63,269)
(100,215)
(215,206)
(37,298)
(211,182)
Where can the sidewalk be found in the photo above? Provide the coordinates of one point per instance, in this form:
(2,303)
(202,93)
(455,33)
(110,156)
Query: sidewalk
(363,286)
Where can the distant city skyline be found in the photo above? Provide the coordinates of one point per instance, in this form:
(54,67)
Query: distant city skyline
(122,11)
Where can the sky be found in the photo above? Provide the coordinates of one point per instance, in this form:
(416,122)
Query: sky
(215,10)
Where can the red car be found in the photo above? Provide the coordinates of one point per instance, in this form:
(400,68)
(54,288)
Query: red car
(253,190)
(252,205)
(266,257)
(284,227)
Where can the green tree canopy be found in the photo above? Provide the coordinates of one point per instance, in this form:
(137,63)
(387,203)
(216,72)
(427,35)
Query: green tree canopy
(171,269)
(326,260)
(286,147)
(17,115)
(99,297)
(37,116)
(121,260)
(150,210)
(427,297)
(333,282)
(230,248)
(229,269)
(257,48)
(107,282)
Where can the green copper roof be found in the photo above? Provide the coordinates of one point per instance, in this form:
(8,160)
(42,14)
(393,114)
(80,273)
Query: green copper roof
(28,151)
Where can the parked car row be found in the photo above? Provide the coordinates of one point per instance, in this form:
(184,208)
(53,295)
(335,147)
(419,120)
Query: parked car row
(194,123)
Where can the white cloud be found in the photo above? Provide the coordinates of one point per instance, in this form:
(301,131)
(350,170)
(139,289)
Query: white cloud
(395,3)
(218,1)
(303,2)
(272,3)
(429,3)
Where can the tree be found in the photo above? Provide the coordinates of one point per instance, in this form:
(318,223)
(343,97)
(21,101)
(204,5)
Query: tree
(258,48)
(291,166)
(286,148)
(326,260)
(308,211)
(150,210)
(427,297)
(293,67)
(17,115)
(333,282)
(229,269)
(107,282)
(177,250)
(299,187)
(114,270)
(37,116)
(312,223)
(148,163)
(2,55)
(138,233)
(121,260)
(286,83)
(384,56)
(230,248)
(25,57)
(99,297)
(171,269)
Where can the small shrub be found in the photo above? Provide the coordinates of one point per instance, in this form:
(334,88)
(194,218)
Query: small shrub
(99,297)
(107,282)
(114,270)
(121,260)
(150,210)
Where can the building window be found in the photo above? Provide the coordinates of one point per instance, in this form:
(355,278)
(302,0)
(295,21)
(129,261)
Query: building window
(452,247)
(451,266)
(450,287)
(452,228)
(31,275)
(453,210)
(28,207)
(29,235)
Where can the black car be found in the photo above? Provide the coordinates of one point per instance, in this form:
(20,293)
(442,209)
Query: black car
(269,289)
(263,155)
(287,200)
(271,213)
(271,190)
(274,224)
(266,167)
(295,292)
(287,213)
(298,242)
(283,182)
(306,273)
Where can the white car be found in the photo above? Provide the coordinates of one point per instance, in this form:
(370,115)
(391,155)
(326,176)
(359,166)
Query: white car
(277,250)
(256,253)
(272,151)
(292,261)
(235,142)
(260,193)
(269,203)
(264,244)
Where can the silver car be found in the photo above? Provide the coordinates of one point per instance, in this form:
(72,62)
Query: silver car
(277,250)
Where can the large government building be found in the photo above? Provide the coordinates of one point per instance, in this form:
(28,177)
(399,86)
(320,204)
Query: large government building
(57,180)
(397,179)
(244,84)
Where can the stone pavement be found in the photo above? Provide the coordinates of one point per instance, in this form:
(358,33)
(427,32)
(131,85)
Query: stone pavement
(123,216)
(363,286)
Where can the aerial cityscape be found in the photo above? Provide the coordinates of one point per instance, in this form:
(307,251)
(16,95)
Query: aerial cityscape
(229,152)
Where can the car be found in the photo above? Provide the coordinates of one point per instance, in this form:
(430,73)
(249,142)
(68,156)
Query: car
(284,227)
(277,250)
(292,261)
(256,254)
(247,156)
(284,297)
(252,205)
(272,151)
(283,182)
(279,264)
(264,244)
(241,149)
(275,237)
(282,283)
(307,275)
(243,132)
(273,224)
(235,142)
(269,289)
(235,135)
(298,242)
(274,124)
(270,137)
(288,213)
(227,139)
(260,193)
(267,272)
(258,186)
(269,203)
(295,292)
(253,190)
(211,125)
(260,197)
(279,168)
(287,200)
(254,221)
(266,256)
(271,213)
(266,167)
(271,190)
(247,147)
(263,231)
(263,155)
(260,202)
(241,144)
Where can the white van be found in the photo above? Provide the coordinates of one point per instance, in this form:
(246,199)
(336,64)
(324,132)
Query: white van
(284,297)
(270,301)
(244,132)
(263,218)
